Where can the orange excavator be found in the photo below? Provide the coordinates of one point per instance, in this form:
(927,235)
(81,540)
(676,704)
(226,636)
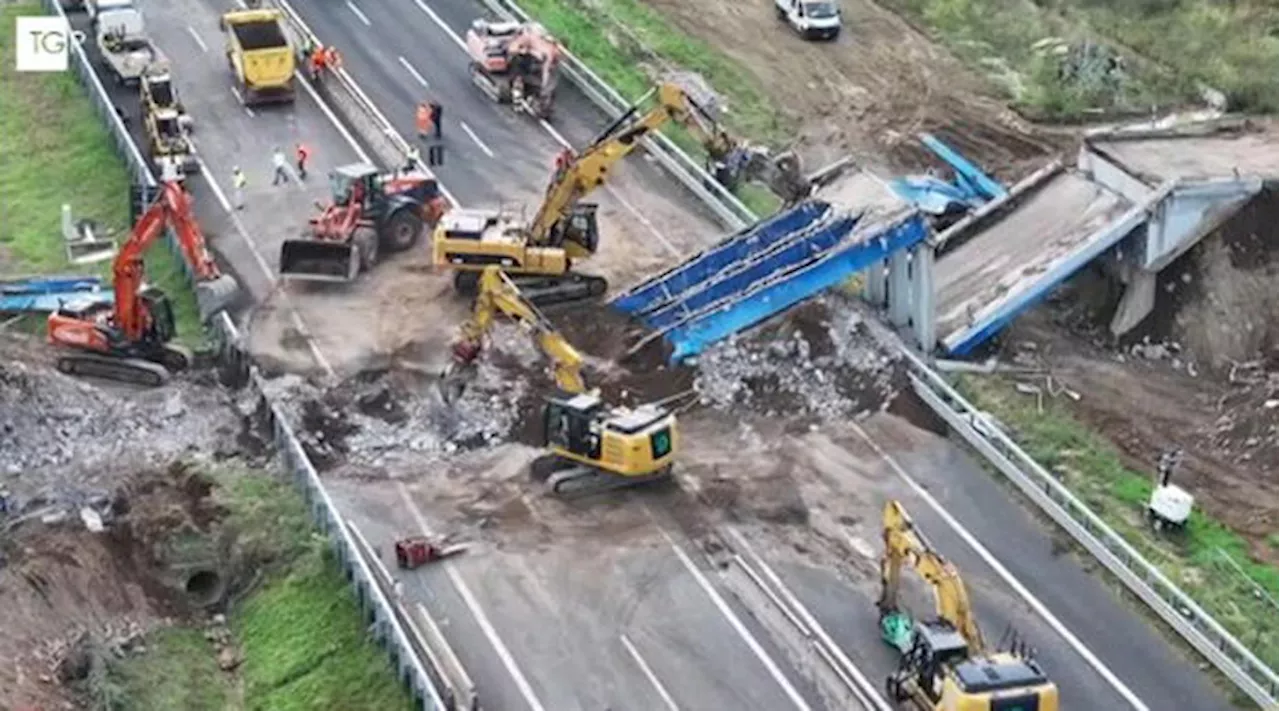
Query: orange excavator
(515,63)
(128,340)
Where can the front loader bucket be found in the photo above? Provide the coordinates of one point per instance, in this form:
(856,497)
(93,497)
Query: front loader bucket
(313,260)
(216,295)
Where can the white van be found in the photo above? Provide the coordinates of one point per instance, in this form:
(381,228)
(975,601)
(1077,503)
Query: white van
(813,19)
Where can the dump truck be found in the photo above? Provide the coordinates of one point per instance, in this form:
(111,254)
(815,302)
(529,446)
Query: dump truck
(260,54)
(127,52)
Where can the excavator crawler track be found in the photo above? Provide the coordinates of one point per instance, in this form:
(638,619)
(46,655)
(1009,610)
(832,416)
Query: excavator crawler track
(548,291)
(126,370)
(568,480)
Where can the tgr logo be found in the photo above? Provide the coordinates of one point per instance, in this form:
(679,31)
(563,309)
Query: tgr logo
(43,44)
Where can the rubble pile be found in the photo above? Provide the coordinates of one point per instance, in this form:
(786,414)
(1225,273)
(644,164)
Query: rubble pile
(374,419)
(60,434)
(820,361)
(1244,427)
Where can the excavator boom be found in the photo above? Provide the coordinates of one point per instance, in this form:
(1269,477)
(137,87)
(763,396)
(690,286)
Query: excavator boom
(588,170)
(498,294)
(944,662)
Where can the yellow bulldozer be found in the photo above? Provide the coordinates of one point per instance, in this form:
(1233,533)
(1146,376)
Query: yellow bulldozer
(945,665)
(591,446)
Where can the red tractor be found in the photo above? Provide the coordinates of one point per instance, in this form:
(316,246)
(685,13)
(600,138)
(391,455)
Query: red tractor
(370,212)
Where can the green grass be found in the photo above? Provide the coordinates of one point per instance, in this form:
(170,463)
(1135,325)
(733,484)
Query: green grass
(301,636)
(55,150)
(632,47)
(179,671)
(305,646)
(1169,47)
(1093,469)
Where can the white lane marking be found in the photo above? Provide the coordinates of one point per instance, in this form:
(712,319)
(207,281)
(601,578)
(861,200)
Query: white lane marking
(262,264)
(417,76)
(476,138)
(648,672)
(1004,574)
(618,196)
(504,654)
(191,31)
(361,15)
(736,623)
(240,100)
(436,19)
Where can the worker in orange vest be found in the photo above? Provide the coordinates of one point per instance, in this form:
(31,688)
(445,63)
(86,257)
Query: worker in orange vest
(318,55)
(424,120)
(302,153)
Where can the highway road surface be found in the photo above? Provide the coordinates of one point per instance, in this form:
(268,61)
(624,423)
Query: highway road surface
(574,624)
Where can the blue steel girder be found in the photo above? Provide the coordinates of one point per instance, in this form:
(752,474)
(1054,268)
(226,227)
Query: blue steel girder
(797,283)
(819,237)
(966,172)
(668,286)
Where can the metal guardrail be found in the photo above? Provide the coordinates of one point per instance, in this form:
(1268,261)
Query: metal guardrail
(1249,673)
(237,370)
(726,206)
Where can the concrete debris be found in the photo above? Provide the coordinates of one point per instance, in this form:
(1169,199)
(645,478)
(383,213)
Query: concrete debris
(375,419)
(818,361)
(64,435)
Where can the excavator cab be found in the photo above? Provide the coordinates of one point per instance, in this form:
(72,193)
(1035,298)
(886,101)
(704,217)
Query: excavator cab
(163,324)
(593,447)
(580,227)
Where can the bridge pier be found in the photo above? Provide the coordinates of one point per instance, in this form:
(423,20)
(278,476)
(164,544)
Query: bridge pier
(902,286)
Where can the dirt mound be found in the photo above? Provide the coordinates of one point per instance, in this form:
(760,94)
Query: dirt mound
(816,362)
(870,92)
(60,581)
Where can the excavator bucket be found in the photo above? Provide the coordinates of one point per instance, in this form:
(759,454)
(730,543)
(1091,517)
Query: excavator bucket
(314,260)
(216,294)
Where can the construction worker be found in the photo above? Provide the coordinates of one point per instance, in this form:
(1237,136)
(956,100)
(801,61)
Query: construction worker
(412,158)
(302,153)
(423,119)
(437,116)
(318,55)
(238,181)
(332,59)
(281,167)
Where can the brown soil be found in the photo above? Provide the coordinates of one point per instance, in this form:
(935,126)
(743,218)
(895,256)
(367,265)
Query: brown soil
(1147,407)
(871,91)
(60,582)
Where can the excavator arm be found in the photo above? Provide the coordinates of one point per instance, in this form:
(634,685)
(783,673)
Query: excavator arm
(498,294)
(588,169)
(128,269)
(904,545)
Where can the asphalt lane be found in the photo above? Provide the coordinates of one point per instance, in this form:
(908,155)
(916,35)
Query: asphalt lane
(584,624)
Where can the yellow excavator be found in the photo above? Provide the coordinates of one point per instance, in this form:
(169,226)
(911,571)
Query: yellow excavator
(541,254)
(591,446)
(944,664)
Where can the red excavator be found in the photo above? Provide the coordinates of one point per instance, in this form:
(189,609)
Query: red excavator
(128,340)
(515,63)
(370,211)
